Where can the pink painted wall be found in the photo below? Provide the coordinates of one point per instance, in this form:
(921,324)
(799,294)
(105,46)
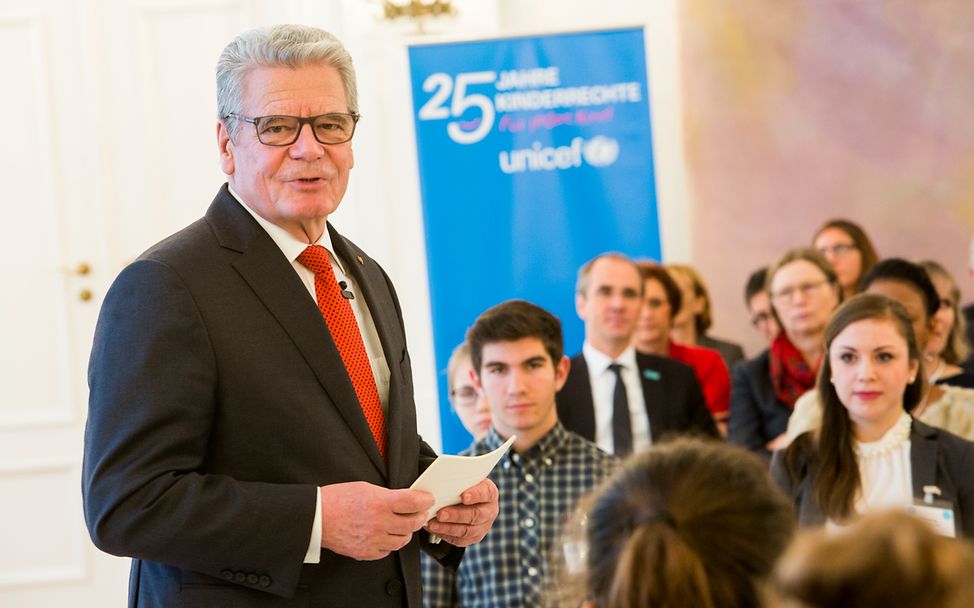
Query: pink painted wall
(796,112)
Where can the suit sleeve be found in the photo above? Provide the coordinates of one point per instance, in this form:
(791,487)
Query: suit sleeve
(961,453)
(152,410)
(745,418)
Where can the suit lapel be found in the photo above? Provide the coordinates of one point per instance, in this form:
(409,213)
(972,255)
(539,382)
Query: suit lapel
(923,458)
(653,398)
(273,280)
(579,410)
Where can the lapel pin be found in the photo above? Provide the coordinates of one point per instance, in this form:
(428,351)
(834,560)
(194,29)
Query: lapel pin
(359,258)
(651,374)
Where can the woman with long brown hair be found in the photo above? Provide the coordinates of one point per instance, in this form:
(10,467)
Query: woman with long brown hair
(845,245)
(869,453)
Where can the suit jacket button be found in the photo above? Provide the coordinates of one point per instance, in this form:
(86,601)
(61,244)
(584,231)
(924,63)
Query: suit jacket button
(394,587)
(240,577)
(264,581)
(227,575)
(252,579)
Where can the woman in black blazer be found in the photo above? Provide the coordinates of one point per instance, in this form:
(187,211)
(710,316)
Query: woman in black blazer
(870,454)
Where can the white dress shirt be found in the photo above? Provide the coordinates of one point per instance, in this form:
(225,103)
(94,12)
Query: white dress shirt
(603,381)
(292,248)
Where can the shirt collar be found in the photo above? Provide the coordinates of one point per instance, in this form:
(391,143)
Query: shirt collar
(598,361)
(546,447)
(285,241)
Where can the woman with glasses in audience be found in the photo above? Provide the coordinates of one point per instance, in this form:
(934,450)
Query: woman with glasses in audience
(695,316)
(869,453)
(947,347)
(685,523)
(469,404)
(661,302)
(941,405)
(804,291)
(847,248)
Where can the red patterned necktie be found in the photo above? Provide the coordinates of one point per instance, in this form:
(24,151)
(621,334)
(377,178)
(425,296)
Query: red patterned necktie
(345,332)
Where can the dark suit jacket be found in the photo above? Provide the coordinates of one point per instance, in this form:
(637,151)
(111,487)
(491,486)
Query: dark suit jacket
(674,401)
(218,403)
(937,458)
(756,414)
(968,313)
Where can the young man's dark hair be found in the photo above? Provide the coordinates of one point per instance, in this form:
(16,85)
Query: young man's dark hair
(513,320)
(755,284)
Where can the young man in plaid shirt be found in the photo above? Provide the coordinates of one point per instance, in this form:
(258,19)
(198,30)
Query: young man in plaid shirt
(519,365)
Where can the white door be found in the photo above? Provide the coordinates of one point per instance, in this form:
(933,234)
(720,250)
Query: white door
(107,145)
(53,271)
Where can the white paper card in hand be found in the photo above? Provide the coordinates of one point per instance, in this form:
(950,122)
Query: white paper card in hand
(450,475)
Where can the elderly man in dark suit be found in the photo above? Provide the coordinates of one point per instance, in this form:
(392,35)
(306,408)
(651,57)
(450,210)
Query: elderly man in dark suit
(251,433)
(621,399)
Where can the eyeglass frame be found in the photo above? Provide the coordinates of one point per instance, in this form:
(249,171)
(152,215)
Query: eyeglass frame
(307,120)
(786,294)
(761,318)
(839,249)
(468,400)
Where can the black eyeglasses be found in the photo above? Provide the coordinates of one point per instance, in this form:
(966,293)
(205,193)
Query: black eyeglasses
(333,128)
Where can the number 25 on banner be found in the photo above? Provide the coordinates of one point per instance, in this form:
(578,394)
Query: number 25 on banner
(435,108)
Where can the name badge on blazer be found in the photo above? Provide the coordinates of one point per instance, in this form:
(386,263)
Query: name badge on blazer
(651,374)
(937,512)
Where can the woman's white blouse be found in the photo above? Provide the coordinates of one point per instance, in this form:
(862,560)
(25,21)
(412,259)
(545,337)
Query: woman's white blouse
(884,471)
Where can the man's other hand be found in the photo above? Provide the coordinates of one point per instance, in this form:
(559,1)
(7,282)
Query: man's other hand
(467,523)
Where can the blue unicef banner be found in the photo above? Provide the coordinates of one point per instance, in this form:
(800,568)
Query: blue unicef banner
(535,154)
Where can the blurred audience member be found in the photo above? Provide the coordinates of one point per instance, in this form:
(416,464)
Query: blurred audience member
(884,560)
(468,402)
(945,406)
(688,523)
(847,248)
(804,291)
(661,302)
(969,310)
(759,305)
(695,317)
(621,399)
(869,453)
(947,347)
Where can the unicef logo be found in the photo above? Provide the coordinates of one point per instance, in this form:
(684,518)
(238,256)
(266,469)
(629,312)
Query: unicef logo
(601,151)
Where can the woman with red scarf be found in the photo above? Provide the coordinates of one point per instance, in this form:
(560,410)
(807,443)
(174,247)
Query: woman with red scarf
(804,291)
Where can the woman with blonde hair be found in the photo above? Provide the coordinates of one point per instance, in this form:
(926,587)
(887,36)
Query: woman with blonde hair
(886,559)
(948,347)
(695,317)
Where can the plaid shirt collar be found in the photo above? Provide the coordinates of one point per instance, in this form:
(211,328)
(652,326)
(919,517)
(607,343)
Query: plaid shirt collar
(546,447)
